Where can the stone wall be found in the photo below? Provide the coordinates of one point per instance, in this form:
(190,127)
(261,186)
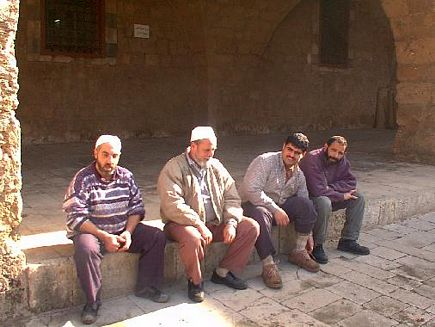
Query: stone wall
(227,63)
(285,88)
(11,258)
(413,25)
(140,87)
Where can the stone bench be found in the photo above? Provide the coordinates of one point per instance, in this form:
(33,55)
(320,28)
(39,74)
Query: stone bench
(51,281)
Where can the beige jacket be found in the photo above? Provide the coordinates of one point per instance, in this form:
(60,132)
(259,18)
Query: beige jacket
(179,192)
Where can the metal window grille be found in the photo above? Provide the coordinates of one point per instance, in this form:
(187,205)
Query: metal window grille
(72,26)
(334,32)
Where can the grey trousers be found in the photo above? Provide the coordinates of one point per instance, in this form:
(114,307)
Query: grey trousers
(88,252)
(354,216)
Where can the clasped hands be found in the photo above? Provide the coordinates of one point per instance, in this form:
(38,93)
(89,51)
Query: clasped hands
(117,243)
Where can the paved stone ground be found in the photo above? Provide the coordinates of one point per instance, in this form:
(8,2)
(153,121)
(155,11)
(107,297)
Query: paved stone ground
(394,286)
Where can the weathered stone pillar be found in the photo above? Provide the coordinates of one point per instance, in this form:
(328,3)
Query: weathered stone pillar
(12,260)
(412,23)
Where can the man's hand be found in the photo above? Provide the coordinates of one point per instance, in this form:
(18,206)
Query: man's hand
(207,236)
(112,242)
(281,217)
(229,233)
(349,195)
(124,241)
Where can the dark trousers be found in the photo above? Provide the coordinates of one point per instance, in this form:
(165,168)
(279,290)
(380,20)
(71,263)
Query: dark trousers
(300,210)
(88,252)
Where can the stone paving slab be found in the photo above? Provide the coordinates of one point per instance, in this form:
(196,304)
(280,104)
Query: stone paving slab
(344,293)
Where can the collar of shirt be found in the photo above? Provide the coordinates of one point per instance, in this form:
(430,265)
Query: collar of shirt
(198,170)
(293,169)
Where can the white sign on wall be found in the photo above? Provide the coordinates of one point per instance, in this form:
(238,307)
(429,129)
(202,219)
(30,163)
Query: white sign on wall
(141,31)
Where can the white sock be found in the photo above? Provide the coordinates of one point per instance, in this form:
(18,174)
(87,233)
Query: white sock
(301,242)
(222,272)
(268,260)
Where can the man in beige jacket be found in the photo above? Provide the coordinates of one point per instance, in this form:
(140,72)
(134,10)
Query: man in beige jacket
(199,204)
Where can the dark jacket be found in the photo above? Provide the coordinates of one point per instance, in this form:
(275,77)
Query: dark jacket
(327,179)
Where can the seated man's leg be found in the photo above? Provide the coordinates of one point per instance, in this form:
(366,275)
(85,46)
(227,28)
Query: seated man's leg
(323,207)
(301,211)
(150,243)
(191,253)
(352,226)
(87,258)
(238,252)
(264,243)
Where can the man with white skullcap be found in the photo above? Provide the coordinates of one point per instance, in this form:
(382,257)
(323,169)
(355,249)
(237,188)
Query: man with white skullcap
(199,204)
(104,208)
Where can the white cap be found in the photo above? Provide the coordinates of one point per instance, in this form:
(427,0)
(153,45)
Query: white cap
(203,132)
(113,140)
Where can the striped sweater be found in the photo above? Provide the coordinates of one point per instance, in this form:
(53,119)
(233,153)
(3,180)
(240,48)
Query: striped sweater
(107,204)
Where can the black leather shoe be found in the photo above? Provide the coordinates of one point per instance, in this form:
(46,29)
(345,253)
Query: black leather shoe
(195,292)
(319,254)
(352,246)
(90,313)
(229,280)
(153,294)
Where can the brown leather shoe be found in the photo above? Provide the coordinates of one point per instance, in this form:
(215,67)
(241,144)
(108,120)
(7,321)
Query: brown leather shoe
(303,260)
(271,277)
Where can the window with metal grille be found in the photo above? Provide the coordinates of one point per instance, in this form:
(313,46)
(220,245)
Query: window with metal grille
(72,27)
(334,31)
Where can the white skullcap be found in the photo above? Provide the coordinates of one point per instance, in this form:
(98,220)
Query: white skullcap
(113,140)
(203,132)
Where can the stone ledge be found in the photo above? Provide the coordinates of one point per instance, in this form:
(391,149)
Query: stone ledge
(51,280)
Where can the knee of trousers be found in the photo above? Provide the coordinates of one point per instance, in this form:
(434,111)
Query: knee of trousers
(248,227)
(360,198)
(191,243)
(305,212)
(86,253)
(254,227)
(322,204)
(161,238)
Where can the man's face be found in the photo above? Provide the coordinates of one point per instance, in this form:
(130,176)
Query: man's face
(107,159)
(334,152)
(291,155)
(202,151)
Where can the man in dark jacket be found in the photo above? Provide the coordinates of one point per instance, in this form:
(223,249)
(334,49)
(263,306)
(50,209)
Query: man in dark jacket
(332,186)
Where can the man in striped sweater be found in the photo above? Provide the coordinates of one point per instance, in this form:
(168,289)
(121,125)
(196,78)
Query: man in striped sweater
(104,208)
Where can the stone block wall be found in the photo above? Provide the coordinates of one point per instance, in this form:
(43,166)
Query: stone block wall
(138,87)
(12,260)
(231,64)
(413,25)
(283,87)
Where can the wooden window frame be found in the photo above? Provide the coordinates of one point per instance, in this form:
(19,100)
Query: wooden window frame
(100,35)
